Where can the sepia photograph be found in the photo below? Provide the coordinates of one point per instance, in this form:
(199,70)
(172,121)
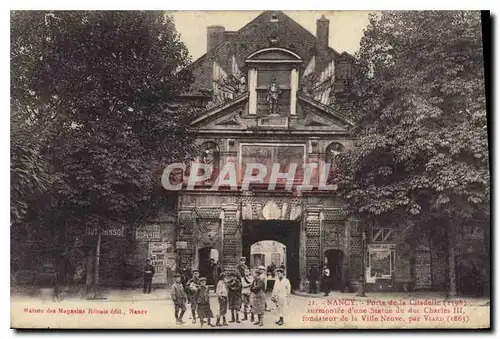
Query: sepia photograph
(267,170)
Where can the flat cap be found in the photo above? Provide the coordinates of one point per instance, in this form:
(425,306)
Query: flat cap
(262,268)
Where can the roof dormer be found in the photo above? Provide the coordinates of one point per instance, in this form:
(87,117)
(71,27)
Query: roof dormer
(272,84)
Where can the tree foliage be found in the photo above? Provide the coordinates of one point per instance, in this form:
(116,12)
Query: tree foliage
(98,87)
(418,101)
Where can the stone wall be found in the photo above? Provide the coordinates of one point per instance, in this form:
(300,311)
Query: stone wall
(138,250)
(324,226)
(439,260)
(403,261)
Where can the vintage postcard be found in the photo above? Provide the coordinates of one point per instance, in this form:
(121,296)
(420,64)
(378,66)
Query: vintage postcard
(249,170)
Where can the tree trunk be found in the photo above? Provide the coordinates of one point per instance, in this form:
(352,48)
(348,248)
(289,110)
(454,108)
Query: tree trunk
(89,270)
(97,257)
(451,265)
(60,269)
(58,255)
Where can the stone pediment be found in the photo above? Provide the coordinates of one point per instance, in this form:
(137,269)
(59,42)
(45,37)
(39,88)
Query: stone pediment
(223,117)
(318,117)
(233,116)
(232,120)
(314,120)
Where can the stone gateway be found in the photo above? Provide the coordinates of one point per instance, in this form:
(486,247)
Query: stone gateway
(284,117)
(270,137)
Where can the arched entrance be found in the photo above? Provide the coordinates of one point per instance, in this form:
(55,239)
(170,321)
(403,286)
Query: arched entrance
(268,253)
(334,260)
(281,231)
(471,275)
(207,257)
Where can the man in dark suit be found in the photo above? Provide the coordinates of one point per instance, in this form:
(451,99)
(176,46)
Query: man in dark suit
(325,280)
(313,278)
(258,295)
(149,271)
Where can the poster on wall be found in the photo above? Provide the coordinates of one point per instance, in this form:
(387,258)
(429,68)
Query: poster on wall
(160,259)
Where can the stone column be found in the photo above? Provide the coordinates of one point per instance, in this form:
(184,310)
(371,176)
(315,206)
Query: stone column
(252,91)
(231,242)
(294,85)
(302,257)
(312,243)
(355,253)
(185,231)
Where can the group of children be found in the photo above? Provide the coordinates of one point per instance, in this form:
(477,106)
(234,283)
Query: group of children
(235,291)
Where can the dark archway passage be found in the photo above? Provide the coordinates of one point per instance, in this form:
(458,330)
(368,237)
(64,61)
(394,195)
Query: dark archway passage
(471,275)
(205,265)
(334,260)
(285,232)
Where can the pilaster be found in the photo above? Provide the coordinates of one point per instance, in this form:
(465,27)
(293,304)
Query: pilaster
(231,236)
(252,90)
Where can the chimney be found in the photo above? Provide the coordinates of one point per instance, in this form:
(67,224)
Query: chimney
(215,36)
(322,29)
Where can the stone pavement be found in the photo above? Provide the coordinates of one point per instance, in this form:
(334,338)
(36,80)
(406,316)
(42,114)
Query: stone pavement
(158,294)
(156,310)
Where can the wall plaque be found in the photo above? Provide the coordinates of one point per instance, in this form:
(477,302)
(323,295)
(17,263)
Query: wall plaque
(148,233)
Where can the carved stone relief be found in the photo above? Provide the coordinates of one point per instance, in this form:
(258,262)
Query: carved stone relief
(334,235)
(208,232)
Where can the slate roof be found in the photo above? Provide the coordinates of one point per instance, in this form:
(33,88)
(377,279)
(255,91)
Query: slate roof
(252,37)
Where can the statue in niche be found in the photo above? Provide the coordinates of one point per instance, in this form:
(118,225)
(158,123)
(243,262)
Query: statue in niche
(209,156)
(208,159)
(273,94)
(242,85)
(332,157)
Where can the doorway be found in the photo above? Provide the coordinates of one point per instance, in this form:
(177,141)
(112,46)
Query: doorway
(283,233)
(207,258)
(334,260)
(471,275)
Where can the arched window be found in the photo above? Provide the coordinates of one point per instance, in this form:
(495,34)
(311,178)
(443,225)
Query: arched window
(332,156)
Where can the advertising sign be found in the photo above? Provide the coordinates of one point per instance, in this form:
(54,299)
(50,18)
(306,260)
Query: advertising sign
(148,233)
(158,254)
